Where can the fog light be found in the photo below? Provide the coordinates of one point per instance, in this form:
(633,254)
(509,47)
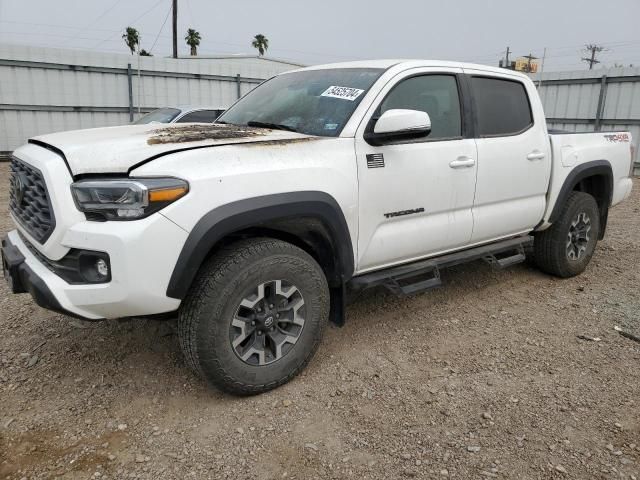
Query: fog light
(94,267)
(102,268)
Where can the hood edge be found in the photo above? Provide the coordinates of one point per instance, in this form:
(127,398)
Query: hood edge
(75,176)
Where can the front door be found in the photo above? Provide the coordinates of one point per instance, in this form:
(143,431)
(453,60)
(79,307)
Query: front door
(416,196)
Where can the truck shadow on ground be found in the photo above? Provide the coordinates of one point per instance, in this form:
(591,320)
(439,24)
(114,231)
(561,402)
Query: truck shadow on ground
(141,352)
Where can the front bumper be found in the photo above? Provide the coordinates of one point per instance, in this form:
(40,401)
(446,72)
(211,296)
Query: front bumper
(22,279)
(143,254)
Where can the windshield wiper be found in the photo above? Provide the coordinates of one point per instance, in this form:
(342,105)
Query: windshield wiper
(273,126)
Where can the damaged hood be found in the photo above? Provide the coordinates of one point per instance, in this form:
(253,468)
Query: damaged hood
(117,149)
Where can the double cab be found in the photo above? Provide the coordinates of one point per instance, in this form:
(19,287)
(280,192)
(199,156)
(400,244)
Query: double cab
(319,183)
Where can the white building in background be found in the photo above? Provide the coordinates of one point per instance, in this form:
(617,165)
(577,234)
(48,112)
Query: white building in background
(45,90)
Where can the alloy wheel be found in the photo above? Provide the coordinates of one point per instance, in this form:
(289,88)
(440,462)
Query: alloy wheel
(267,323)
(578,236)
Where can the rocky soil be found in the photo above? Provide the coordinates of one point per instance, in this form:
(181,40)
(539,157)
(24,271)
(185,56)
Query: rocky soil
(486,378)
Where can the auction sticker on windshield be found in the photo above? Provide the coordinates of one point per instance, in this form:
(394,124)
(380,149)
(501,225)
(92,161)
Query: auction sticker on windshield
(345,93)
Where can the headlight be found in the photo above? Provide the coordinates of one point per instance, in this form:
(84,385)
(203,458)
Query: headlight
(126,199)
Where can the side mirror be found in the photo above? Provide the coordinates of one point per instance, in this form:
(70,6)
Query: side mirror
(399,124)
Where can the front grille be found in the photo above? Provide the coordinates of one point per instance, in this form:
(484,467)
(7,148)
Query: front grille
(29,201)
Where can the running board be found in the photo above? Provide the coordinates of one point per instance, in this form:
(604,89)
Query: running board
(412,278)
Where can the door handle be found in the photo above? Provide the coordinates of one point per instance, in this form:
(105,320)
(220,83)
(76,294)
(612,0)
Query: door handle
(462,162)
(536,155)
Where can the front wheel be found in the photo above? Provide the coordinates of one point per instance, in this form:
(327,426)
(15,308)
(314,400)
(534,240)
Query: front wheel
(254,316)
(565,248)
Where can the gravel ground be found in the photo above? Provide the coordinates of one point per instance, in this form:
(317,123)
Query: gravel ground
(485,378)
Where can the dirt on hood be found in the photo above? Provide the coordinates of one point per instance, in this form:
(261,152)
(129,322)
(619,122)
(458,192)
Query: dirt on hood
(118,149)
(200,132)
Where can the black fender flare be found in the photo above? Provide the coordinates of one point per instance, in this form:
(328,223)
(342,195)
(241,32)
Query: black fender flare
(579,173)
(252,212)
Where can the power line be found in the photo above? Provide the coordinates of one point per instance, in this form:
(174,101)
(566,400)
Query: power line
(190,12)
(131,22)
(37,34)
(103,14)
(55,25)
(160,31)
(80,49)
(100,17)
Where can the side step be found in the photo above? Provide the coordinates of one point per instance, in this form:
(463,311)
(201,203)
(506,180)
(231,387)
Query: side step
(414,282)
(424,275)
(507,259)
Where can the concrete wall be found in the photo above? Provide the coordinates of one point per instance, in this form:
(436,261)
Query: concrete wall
(45,90)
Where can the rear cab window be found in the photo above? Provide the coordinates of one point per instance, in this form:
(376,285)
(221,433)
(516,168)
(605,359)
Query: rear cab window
(502,107)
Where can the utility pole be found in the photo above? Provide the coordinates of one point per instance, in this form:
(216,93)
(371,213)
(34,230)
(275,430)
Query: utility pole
(529,58)
(175,28)
(593,48)
(544,56)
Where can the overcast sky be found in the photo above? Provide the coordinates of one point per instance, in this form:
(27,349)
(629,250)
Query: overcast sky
(337,30)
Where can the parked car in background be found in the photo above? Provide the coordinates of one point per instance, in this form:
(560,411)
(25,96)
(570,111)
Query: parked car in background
(182,114)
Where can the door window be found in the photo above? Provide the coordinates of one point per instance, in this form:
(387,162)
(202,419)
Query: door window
(435,94)
(502,107)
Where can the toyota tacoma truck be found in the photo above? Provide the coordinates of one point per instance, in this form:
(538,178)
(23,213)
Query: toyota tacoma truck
(319,183)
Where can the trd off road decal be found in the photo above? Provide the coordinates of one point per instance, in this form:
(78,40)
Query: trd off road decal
(617,137)
(344,93)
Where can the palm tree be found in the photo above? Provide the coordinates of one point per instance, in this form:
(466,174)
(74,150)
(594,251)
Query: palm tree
(193,40)
(132,38)
(261,43)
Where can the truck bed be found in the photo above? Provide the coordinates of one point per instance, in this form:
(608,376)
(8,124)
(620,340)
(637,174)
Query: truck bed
(570,150)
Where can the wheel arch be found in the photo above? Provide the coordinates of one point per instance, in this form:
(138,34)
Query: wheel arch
(310,220)
(594,178)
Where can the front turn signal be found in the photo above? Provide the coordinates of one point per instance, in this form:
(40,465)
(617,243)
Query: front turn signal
(167,195)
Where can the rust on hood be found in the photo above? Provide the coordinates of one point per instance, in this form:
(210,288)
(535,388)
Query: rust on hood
(202,132)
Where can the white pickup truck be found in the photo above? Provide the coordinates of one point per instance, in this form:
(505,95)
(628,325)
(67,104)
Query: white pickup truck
(319,183)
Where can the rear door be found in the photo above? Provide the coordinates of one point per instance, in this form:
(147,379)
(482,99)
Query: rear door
(514,159)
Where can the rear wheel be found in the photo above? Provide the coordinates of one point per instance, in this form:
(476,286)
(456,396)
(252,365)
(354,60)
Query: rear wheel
(254,316)
(565,248)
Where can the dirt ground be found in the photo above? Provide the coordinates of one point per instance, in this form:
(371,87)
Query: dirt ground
(484,378)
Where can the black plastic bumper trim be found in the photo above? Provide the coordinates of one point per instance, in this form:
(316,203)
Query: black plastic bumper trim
(22,279)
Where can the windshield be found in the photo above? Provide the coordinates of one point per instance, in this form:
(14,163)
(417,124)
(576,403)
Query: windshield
(161,115)
(315,102)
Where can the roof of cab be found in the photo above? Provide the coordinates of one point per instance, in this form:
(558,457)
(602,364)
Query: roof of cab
(404,64)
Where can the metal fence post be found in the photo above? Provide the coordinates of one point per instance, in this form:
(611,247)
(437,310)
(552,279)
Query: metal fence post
(239,92)
(130,82)
(597,126)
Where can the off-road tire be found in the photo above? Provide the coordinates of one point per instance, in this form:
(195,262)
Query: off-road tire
(550,246)
(205,318)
